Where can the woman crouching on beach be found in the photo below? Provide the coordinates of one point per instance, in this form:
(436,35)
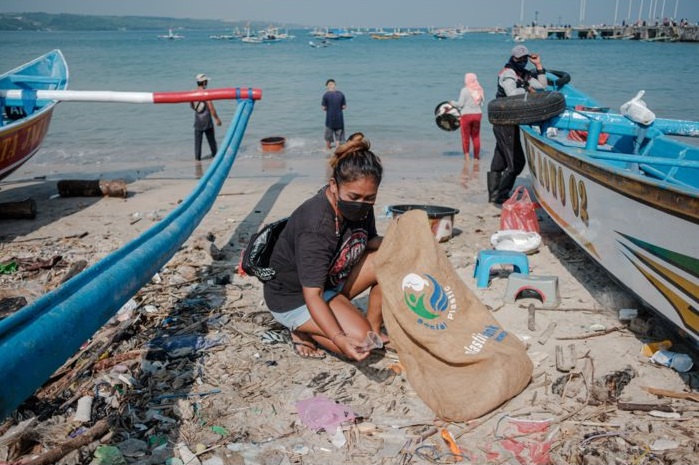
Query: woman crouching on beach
(324,258)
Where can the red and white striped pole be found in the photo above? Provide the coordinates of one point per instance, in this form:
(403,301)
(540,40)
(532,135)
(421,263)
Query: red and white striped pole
(229,93)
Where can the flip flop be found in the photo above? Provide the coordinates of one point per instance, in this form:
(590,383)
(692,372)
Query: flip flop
(275,337)
(295,345)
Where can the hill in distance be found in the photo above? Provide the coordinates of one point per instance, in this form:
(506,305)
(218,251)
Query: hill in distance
(72,22)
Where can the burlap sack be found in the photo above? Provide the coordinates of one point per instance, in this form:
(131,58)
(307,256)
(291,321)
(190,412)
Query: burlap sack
(458,358)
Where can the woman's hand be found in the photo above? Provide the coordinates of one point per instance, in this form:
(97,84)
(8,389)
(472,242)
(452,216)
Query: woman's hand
(349,347)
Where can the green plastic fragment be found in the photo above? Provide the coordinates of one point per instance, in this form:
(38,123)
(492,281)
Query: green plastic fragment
(108,455)
(8,268)
(219,430)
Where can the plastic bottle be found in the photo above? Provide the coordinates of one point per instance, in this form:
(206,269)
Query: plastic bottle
(650,348)
(678,362)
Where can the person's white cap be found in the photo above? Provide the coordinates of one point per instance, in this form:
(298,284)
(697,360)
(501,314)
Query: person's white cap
(519,51)
(202,77)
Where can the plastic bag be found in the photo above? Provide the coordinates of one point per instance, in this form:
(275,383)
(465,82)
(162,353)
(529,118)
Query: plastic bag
(319,412)
(519,212)
(636,110)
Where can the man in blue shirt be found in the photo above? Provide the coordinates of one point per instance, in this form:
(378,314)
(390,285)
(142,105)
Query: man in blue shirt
(333,103)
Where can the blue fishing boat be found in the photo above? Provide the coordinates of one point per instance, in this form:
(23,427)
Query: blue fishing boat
(25,121)
(36,340)
(625,187)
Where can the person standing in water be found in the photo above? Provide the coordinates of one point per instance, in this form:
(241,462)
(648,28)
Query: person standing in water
(333,105)
(204,117)
(469,105)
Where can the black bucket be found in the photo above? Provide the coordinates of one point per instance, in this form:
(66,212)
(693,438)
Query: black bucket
(441,218)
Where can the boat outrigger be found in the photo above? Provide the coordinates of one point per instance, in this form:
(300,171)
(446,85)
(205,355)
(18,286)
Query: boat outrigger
(39,338)
(628,194)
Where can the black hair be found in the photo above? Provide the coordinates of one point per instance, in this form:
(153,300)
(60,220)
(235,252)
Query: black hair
(353,160)
(329,81)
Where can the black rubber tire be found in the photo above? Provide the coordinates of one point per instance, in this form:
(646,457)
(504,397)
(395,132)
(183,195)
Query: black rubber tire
(516,110)
(563,78)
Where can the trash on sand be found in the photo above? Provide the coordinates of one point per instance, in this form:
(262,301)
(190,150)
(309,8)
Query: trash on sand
(650,348)
(528,439)
(185,344)
(627,314)
(108,455)
(319,412)
(677,361)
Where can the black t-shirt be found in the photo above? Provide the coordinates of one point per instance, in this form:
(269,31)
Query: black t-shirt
(309,253)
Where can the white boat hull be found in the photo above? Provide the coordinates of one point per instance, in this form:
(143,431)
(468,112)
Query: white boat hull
(643,233)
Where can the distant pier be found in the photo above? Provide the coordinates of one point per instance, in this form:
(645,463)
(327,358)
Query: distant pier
(666,33)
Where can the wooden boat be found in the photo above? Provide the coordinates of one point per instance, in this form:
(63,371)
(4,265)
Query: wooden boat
(628,194)
(25,121)
(39,338)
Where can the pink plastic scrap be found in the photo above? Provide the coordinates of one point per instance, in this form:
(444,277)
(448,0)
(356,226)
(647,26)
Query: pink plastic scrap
(527,439)
(319,413)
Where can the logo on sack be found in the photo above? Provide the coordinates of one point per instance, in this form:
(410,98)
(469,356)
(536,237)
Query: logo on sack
(478,340)
(429,300)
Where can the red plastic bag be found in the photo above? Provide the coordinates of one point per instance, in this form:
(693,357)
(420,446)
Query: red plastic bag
(519,212)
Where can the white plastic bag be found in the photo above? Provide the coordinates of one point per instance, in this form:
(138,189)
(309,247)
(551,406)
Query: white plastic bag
(636,110)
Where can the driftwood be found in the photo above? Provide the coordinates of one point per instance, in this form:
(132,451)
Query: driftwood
(10,305)
(74,269)
(92,188)
(54,455)
(674,394)
(21,210)
(589,335)
(531,320)
(644,407)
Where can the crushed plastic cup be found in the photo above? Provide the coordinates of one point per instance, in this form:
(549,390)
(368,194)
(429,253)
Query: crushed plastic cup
(627,314)
(677,361)
(650,348)
(372,341)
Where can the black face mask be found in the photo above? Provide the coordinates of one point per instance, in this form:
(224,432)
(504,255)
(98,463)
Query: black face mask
(519,66)
(354,211)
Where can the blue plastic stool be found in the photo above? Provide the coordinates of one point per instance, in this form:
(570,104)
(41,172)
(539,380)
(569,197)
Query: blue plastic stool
(488,258)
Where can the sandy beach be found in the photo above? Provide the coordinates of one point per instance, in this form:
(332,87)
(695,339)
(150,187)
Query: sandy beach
(232,398)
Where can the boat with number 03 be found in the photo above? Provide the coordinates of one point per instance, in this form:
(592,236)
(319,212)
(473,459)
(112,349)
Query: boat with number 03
(628,193)
(25,120)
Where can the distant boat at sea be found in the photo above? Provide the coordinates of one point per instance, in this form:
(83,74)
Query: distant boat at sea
(236,34)
(171,35)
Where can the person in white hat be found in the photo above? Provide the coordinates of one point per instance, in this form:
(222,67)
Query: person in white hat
(508,156)
(204,117)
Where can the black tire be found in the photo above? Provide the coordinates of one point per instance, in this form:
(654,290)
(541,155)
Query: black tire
(563,78)
(518,110)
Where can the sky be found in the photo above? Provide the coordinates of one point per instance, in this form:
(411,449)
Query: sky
(375,13)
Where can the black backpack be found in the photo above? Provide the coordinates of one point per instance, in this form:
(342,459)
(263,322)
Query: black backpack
(255,259)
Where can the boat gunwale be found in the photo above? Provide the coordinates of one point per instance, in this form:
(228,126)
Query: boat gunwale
(667,197)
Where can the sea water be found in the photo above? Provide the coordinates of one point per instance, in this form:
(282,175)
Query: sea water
(392,88)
